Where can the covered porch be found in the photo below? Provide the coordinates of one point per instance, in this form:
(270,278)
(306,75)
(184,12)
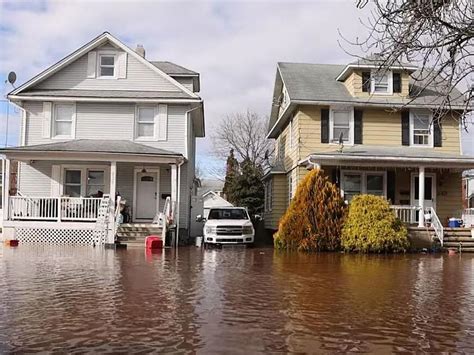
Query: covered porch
(423,186)
(90,185)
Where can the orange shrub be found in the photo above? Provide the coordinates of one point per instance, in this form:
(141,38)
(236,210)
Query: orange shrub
(313,220)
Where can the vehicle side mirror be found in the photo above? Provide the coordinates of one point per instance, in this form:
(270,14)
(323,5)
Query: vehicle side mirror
(257,217)
(200,218)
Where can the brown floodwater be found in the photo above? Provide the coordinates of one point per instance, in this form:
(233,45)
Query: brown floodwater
(232,300)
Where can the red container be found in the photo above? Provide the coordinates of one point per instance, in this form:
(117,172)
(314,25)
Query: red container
(13,243)
(153,242)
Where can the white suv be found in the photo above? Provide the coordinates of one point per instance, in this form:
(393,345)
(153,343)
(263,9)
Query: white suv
(228,225)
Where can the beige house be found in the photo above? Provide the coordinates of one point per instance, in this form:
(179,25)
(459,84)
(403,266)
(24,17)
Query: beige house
(369,134)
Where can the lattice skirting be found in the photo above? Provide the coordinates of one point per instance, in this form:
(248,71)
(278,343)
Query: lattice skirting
(55,236)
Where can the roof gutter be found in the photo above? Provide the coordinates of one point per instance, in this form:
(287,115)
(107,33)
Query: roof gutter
(99,99)
(372,66)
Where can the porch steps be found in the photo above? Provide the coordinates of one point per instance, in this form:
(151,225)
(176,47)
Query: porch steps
(134,234)
(459,238)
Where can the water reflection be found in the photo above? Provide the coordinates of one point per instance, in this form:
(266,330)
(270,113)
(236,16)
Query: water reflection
(239,300)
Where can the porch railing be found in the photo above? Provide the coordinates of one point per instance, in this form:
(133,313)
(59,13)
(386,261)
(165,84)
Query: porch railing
(406,213)
(436,224)
(468,217)
(81,209)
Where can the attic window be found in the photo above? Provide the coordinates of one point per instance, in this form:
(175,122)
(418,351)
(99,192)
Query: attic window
(107,65)
(381,82)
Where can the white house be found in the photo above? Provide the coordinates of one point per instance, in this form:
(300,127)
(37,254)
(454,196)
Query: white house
(212,199)
(103,121)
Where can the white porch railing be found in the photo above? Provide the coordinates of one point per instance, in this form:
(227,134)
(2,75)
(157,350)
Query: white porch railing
(406,213)
(468,217)
(82,209)
(436,224)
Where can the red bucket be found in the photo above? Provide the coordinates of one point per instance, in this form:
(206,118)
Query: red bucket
(153,242)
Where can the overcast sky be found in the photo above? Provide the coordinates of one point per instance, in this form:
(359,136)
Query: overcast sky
(234,45)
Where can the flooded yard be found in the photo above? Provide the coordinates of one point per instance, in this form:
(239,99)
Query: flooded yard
(233,300)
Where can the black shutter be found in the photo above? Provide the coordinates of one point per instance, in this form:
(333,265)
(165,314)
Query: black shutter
(358,126)
(391,186)
(397,82)
(335,176)
(405,128)
(365,81)
(324,125)
(438,137)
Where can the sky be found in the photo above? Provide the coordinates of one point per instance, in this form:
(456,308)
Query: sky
(233,45)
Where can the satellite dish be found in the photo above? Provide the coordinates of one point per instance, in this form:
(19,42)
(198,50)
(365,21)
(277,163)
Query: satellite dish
(12,77)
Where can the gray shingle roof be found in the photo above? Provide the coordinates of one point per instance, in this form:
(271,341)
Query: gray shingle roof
(376,151)
(94,146)
(375,59)
(172,68)
(108,94)
(316,83)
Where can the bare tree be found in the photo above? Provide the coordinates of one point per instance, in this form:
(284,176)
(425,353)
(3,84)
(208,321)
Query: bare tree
(245,133)
(438,35)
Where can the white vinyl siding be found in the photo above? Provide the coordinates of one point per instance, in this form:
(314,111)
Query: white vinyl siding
(111,121)
(138,77)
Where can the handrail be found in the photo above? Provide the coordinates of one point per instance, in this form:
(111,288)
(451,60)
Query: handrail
(436,224)
(117,214)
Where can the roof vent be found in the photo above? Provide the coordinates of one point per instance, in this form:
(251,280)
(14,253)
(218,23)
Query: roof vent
(140,50)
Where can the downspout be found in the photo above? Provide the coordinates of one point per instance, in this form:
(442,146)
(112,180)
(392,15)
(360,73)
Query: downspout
(178,198)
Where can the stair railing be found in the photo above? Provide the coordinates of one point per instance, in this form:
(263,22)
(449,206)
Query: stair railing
(117,214)
(437,226)
(102,223)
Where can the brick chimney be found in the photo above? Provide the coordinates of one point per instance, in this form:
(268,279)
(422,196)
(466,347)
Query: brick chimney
(140,50)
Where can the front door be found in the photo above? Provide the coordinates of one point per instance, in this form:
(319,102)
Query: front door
(430,191)
(146,195)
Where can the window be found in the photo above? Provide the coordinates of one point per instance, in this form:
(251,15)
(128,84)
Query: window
(269,195)
(363,182)
(381,82)
(290,188)
(341,123)
(420,124)
(145,122)
(106,65)
(72,185)
(95,182)
(282,148)
(63,120)
(228,213)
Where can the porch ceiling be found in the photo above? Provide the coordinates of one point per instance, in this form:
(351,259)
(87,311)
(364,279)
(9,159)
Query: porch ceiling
(93,150)
(365,155)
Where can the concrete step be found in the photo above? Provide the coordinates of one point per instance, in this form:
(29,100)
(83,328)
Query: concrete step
(456,245)
(458,234)
(458,239)
(463,249)
(137,233)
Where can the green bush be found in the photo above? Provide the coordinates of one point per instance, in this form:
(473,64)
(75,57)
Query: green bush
(372,227)
(313,221)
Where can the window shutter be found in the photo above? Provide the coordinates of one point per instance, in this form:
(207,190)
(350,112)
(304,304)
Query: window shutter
(161,122)
(324,125)
(391,186)
(335,177)
(405,128)
(47,117)
(437,134)
(397,82)
(366,81)
(122,65)
(91,64)
(55,180)
(358,126)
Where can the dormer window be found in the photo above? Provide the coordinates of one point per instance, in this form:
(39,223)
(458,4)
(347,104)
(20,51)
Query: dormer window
(378,82)
(106,66)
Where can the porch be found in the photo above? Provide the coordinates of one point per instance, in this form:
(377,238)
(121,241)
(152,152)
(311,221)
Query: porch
(86,190)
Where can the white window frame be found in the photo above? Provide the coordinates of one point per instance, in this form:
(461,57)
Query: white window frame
(269,195)
(412,129)
(106,54)
(290,187)
(137,123)
(351,124)
(72,134)
(84,170)
(363,174)
(389,74)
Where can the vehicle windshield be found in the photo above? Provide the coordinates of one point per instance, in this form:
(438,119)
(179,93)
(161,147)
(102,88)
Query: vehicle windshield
(228,213)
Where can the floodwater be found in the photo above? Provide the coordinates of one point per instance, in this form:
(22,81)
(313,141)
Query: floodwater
(232,300)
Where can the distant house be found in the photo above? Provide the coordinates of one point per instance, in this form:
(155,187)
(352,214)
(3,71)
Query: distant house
(212,199)
(363,126)
(103,121)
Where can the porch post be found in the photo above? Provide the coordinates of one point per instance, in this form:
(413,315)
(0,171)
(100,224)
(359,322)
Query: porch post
(174,183)
(421,196)
(113,190)
(6,189)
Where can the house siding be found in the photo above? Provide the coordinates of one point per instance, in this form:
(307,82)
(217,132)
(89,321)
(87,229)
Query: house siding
(186,82)
(280,201)
(353,84)
(139,77)
(109,121)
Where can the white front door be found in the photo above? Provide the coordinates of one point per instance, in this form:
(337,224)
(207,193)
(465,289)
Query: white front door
(146,195)
(430,191)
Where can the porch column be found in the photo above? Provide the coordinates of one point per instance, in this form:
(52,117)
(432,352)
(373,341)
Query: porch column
(421,196)
(6,189)
(174,184)
(112,190)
